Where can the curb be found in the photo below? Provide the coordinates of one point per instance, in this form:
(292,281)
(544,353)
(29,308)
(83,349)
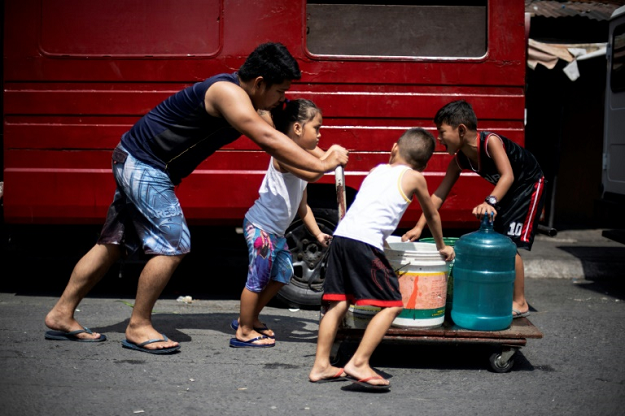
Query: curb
(574,254)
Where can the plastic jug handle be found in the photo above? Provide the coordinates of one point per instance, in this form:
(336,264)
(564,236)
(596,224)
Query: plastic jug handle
(487,221)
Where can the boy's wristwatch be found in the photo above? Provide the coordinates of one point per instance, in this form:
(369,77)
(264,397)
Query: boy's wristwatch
(492,201)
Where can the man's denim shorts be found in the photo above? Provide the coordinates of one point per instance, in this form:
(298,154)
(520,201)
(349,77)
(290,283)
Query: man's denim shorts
(145,212)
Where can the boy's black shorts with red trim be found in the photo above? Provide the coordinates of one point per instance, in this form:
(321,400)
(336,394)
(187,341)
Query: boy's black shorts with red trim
(361,274)
(520,212)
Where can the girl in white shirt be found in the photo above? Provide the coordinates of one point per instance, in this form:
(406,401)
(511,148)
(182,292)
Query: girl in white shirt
(282,195)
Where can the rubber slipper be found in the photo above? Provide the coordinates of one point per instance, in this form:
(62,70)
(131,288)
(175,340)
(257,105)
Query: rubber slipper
(141,347)
(235,325)
(363,385)
(332,379)
(71,336)
(237,343)
(517,314)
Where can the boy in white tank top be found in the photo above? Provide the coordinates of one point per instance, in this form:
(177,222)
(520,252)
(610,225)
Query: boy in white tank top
(358,271)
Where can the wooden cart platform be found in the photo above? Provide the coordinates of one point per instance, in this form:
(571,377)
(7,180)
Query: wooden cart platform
(509,340)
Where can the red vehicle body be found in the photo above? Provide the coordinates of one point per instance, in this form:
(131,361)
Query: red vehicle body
(78,74)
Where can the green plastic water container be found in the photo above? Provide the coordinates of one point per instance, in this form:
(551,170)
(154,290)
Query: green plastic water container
(483,280)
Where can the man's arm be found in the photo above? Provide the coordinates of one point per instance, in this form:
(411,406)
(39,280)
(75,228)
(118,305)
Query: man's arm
(231,102)
(307,175)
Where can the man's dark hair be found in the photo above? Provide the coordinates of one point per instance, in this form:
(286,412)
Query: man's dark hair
(456,113)
(273,62)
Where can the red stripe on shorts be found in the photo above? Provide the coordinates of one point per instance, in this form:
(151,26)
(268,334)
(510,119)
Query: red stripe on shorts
(528,224)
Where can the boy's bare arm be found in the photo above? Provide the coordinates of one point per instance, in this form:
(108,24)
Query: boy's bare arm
(430,213)
(224,99)
(506,177)
(438,197)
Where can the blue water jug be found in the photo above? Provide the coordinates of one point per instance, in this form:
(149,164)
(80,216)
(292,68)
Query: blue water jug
(483,279)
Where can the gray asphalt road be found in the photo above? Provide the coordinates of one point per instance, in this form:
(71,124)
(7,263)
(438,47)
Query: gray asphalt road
(577,368)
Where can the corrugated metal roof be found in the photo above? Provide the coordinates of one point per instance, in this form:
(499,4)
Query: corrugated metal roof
(592,10)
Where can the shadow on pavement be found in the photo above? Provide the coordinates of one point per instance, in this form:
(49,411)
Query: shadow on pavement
(176,326)
(603,266)
(614,287)
(440,356)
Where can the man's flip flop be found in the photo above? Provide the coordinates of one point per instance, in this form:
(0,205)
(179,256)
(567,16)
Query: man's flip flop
(517,314)
(141,347)
(237,343)
(363,385)
(71,336)
(336,377)
(235,325)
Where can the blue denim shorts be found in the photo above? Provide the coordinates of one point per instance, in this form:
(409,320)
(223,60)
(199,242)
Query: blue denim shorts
(145,212)
(269,256)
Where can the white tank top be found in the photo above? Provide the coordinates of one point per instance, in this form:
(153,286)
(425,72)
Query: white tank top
(378,207)
(280,196)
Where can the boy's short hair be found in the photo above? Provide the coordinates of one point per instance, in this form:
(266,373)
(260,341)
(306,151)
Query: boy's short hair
(416,147)
(456,113)
(273,62)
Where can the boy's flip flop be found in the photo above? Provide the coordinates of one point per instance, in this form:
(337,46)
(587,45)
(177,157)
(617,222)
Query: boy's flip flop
(331,379)
(517,314)
(363,385)
(71,336)
(237,343)
(235,325)
(141,347)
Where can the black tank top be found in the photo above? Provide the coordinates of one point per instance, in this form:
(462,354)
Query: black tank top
(178,134)
(526,169)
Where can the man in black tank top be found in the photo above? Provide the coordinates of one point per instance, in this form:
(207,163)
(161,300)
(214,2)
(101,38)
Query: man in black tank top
(517,198)
(162,148)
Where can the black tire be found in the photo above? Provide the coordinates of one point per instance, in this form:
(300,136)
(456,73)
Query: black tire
(307,254)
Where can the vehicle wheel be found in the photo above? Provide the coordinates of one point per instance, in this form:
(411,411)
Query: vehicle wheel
(499,363)
(307,255)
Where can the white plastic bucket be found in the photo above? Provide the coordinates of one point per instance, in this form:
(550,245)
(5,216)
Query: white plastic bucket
(359,316)
(422,273)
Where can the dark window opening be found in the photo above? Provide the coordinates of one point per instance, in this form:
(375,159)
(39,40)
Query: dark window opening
(420,29)
(617,73)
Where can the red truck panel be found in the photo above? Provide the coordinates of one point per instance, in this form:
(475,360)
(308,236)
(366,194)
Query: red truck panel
(74,83)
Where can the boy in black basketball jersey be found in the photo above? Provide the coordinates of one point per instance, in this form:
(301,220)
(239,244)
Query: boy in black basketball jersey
(517,199)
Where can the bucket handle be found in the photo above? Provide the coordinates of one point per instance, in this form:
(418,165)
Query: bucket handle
(405,265)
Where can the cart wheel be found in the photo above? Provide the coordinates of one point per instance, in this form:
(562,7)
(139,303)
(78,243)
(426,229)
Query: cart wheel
(502,362)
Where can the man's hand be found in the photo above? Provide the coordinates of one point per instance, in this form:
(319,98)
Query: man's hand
(335,156)
(336,147)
